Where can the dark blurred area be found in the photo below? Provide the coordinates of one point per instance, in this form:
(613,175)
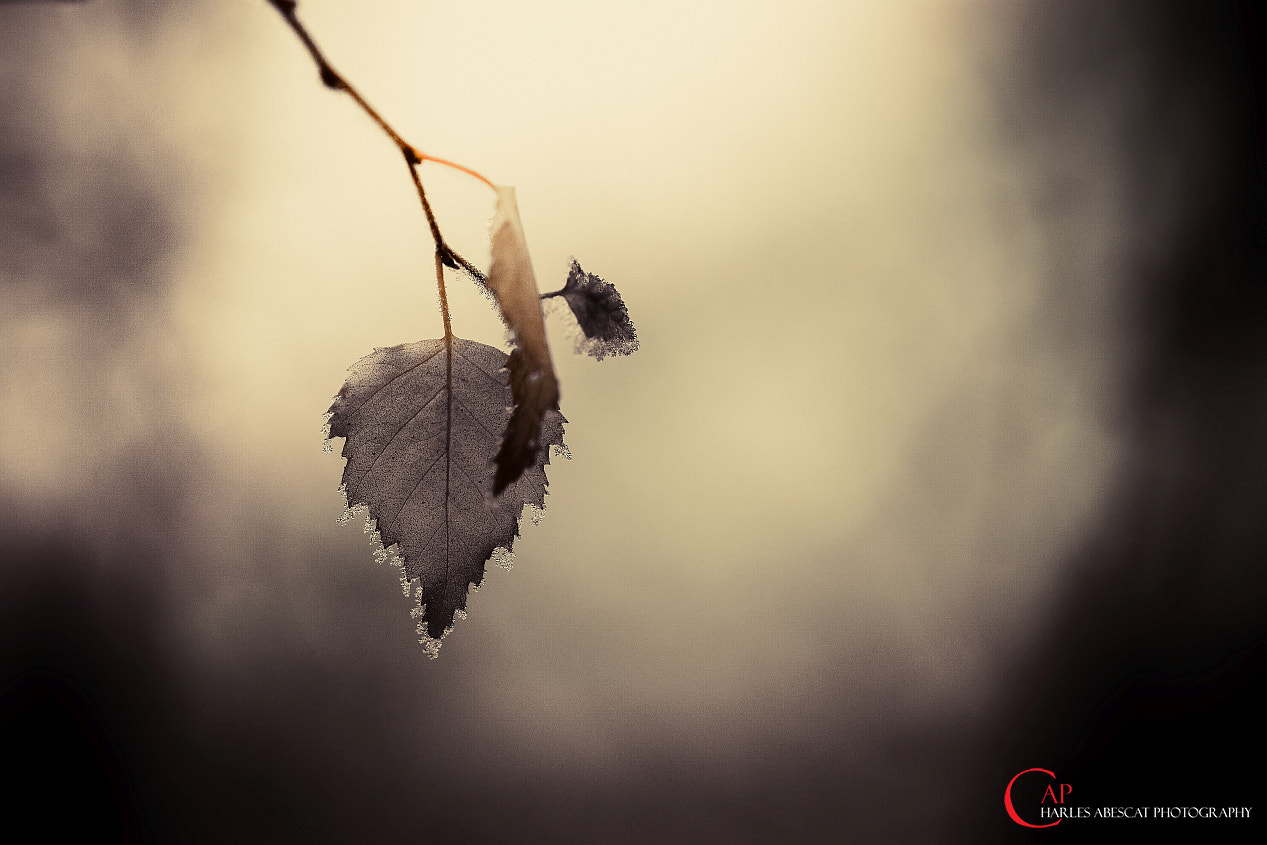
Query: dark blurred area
(1144,685)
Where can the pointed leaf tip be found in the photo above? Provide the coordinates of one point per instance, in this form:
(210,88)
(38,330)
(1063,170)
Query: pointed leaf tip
(532,401)
(420,422)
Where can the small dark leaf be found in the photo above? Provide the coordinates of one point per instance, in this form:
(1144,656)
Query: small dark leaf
(601,314)
(421,422)
(534,385)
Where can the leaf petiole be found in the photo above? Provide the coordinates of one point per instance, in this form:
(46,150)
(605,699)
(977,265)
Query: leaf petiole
(468,171)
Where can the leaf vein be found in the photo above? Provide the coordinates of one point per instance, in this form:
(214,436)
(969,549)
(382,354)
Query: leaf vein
(477,419)
(365,475)
(390,381)
(471,481)
(421,479)
(492,376)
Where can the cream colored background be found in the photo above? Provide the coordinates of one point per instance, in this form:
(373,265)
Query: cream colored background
(833,487)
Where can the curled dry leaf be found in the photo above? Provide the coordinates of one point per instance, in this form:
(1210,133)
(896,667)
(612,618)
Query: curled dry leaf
(534,386)
(420,422)
(600,313)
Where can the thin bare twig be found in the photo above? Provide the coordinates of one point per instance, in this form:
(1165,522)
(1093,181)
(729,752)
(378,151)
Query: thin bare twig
(445,257)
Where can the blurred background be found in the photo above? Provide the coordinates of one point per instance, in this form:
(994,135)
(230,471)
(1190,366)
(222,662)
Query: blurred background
(941,458)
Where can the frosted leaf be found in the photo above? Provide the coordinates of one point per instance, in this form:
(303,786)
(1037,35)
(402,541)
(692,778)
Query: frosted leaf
(600,314)
(421,422)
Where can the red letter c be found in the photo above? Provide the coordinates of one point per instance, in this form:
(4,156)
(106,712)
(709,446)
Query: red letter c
(1011,810)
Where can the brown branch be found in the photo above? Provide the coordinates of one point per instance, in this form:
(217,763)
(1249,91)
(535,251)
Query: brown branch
(336,81)
(426,206)
(468,267)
